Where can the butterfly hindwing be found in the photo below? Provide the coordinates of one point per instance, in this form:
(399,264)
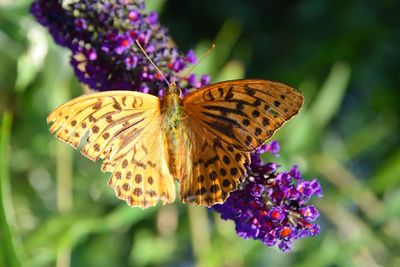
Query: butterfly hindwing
(142,176)
(120,126)
(224,122)
(213,168)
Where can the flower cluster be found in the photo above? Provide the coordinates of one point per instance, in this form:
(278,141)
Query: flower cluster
(271,206)
(101,36)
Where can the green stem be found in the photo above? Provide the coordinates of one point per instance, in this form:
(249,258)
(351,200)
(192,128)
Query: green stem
(64,178)
(7,237)
(64,194)
(200,231)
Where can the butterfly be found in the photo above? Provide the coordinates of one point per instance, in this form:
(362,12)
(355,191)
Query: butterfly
(203,140)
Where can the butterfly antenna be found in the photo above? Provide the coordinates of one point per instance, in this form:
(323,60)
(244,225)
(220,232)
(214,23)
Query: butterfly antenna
(151,61)
(201,59)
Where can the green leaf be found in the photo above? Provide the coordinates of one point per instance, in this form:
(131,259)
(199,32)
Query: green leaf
(30,63)
(231,71)
(157,5)
(225,41)
(7,220)
(66,231)
(388,174)
(331,95)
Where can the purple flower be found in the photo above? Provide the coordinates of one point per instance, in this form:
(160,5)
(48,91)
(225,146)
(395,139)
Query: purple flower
(273,148)
(110,28)
(316,187)
(276,214)
(177,65)
(80,24)
(131,62)
(269,239)
(152,18)
(285,245)
(191,80)
(204,80)
(309,213)
(295,172)
(123,43)
(134,15)
(271,206)
(256,190)
(191,57)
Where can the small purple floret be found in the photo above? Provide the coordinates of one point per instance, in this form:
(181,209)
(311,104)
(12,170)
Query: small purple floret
(191,57)
(273,148)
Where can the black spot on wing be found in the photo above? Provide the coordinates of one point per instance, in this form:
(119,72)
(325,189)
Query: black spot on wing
(255,113)
(226,159)
(246,122)
(229,95)
(250,91)
(207,96)
(221,92)
(257,102)
(116,105)
(239,106)
(213,175)
(265,122)
(277,103)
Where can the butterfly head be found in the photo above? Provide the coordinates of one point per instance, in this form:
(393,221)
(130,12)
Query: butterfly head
(173,89)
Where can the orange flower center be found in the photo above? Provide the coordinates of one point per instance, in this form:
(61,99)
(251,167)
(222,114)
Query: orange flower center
(275,214)
(125,43)
(307,213)
(285,232)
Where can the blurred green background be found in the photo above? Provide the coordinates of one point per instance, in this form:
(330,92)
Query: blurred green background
(56,209)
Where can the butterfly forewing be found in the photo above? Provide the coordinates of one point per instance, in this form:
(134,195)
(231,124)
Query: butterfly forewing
(243,113)
(122,127)
(224,122)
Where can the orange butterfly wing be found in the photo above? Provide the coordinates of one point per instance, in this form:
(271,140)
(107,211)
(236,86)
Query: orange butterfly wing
(121,127)
(225,121)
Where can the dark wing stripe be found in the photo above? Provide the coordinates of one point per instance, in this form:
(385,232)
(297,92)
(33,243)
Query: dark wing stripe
(214,105)
(222,129)
(211,161)
(116,134)
(240,94)
(230,124)
(234,123)
(221,118)
(225,110)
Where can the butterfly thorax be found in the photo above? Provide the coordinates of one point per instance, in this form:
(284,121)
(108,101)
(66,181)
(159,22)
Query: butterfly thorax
(171,108)
(172,114)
